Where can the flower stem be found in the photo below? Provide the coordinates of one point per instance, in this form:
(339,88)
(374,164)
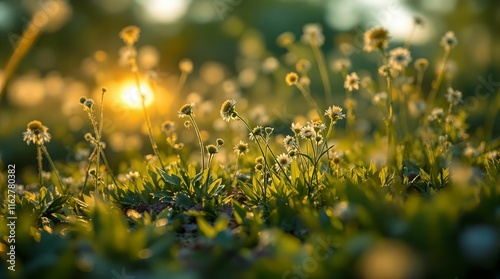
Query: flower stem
(323,71)
(200,141)
(53,166)
(437,83)
(39,161)
(310,99)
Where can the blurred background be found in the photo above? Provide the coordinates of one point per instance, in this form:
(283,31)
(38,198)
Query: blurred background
(232,44)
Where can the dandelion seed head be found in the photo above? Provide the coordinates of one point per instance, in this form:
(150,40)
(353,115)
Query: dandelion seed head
(376,38)
(342,64)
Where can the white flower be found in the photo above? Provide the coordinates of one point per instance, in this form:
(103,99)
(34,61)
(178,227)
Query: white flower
(307,132)
(436,114)
(313,33)
(283,161)
(351,82)
(289,142)
(227,110)
(296,127)
(36,133)
(399,58)
(334,113)
(453,96)
(449,41)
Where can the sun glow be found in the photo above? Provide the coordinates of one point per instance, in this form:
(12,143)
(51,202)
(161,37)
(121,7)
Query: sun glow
(131,97)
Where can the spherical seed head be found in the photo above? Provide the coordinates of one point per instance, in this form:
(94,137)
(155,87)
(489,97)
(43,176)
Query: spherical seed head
(376,38)
(82,100)
(399,58)
(285,39)
(291,78)
(186,65)
(220,142)
(212,149)
(130,34)
(103,90)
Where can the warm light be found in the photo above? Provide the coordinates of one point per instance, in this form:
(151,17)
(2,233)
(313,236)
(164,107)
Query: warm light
(164,11)
(131,97)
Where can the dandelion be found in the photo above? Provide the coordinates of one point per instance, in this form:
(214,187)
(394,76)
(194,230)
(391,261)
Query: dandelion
(296,128)
(376,38)
(186,110)
(453,96)
(212,149)
(436,114)
(285,39)
(449,41)
(283,161)
(289,142)
(307,132)
(351,82)
(130,34)
(421,64)
(334,113)
(241,148)
(313,34)
(227,111)
(291,78)
(36,133)
(399,58)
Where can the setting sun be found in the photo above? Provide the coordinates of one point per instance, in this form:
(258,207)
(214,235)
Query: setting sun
(131,97)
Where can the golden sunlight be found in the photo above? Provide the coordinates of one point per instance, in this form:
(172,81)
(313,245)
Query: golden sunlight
(131,97)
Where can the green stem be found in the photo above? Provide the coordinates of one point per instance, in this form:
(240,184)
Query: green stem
(323,71)
(310,99)
(53,166)
(39,161)
(200,141)
(435,86)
